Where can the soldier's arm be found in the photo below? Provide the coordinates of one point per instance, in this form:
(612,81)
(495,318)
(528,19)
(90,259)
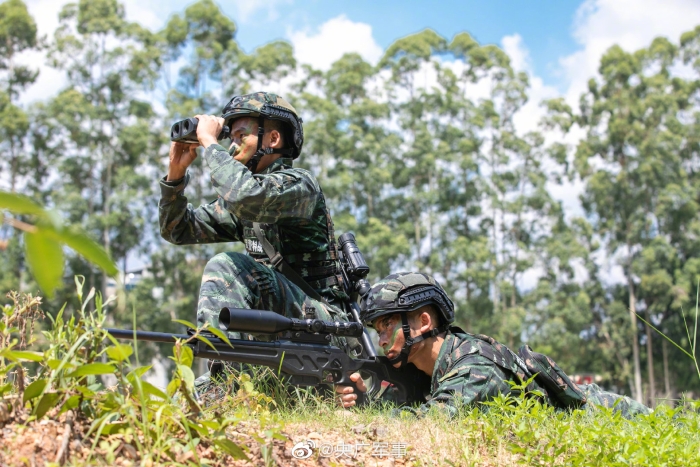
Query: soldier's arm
(180,223)
(260,198)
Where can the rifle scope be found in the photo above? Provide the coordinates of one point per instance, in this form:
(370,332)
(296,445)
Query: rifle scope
(269,322)
(185,131)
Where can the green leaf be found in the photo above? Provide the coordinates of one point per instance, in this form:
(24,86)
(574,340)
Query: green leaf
(45,258)
(172,386)
(137,373)
(187,375)
(71,403)
(220,334)
(23,355)
(46,403)
(112,428)
(54,364)
(186,356)
(151,390)
(34,390)
(201,430)
(207,341)
(20,204)
(120,352)
(86,392)
(5,388)
(86,247)
(93,369)
(231,448)
(185,323)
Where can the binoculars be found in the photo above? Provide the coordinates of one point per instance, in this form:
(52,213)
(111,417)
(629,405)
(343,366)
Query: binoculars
(185,131)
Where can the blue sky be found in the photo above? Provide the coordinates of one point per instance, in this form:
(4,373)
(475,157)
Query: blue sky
(545,26)
(559,43)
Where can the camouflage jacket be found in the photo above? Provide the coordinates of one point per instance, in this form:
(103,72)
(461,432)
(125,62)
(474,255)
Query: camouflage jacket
(473,368)
(466,373)
(286,201)
(469,369)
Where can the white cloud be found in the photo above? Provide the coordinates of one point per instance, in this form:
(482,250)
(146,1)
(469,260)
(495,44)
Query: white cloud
(528,117)
(247,9)
(631,24)
(334,38)
(50,80)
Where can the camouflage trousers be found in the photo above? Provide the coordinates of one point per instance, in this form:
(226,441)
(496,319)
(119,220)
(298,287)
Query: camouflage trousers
(238,281)
(597,397)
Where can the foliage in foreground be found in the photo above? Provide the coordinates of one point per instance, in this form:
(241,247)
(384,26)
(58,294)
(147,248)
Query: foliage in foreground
(56,394)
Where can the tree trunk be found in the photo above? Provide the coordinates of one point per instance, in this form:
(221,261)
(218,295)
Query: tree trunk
(635,342)
(650,363)
(106,212)
(667,379)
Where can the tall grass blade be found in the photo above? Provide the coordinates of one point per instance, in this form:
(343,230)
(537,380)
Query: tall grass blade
(665,336)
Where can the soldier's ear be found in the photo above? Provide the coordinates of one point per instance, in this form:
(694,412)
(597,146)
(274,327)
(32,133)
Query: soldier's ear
(426,322)
(275,139)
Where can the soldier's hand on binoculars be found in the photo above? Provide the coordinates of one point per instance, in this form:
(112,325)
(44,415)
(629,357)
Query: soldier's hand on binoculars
(348,397)
(208,129)
(181,156)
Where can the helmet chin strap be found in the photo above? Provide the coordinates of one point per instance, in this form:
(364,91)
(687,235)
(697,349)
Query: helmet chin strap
(402,357)
(253,162)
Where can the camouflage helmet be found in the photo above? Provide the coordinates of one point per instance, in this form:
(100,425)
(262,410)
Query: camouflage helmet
(266,105)
(404,292)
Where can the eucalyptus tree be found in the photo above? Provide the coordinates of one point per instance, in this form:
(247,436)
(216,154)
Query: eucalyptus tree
(631,160)
(417,168)
(266,67)
(351,147)
(18,33)
(104,126)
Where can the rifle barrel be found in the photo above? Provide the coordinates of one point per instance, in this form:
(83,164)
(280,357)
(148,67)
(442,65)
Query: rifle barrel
(146,335)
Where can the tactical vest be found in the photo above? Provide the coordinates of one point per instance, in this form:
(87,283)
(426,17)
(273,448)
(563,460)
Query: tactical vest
(557,387)
(308,245)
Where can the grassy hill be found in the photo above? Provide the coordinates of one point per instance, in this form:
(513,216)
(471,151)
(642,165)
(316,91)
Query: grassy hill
(55,410)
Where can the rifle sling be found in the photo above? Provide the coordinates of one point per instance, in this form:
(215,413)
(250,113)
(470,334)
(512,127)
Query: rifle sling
(278,262)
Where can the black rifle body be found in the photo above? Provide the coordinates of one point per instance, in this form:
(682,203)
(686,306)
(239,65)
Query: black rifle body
(307,359)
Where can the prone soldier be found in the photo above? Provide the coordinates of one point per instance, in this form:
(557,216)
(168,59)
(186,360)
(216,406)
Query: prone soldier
(413,316)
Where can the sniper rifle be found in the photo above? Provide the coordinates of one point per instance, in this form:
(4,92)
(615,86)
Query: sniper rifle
(301,349)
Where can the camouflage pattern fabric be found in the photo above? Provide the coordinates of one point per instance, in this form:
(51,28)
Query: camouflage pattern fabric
(287,197)
(237,280)
(600,398)
(464,374)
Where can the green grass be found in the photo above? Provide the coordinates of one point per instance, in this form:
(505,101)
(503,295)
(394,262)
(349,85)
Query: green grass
(254,419)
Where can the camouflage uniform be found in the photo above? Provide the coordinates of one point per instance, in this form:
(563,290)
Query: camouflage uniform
(291,209)
(466,372)
(470,368)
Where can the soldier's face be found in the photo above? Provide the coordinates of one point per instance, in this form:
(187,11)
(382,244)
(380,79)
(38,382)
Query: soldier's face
(391,337)
(244,134)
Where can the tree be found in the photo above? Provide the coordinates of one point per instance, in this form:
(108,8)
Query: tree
(18,33)
(630,163)
(106,131)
